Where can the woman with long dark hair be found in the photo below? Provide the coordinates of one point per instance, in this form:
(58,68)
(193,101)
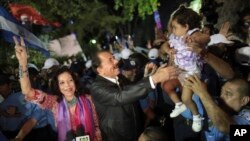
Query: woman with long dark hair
(74,114)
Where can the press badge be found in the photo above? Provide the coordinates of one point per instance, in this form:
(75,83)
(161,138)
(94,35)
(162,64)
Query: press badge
(83,138)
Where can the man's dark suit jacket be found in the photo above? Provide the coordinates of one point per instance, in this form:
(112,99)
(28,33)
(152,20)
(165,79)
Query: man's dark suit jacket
(114,106)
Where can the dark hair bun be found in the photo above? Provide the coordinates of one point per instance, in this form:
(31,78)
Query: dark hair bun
(182,7)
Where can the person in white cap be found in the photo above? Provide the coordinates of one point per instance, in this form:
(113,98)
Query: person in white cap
(88,64)
(36,80)
(242,56)
(30,65)
(125,53)
(50,62)
(153,53)
(153,56)
(50,66)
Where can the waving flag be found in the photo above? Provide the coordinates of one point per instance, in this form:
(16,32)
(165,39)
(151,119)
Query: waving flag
(20,11)
(65,46)
(10,27)
(157,19)
(158,29)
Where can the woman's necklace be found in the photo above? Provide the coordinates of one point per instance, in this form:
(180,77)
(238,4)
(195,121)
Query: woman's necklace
(72,102)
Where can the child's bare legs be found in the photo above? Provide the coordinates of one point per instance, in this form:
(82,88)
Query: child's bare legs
(188,101)
(169,88)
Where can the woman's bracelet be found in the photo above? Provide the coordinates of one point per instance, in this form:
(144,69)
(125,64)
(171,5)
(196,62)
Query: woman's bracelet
(21,72)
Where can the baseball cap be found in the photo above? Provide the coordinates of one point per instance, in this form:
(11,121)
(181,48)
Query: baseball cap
(50,62)
(30,65)
(218,38)
(242,55)
(128,64)
(125,53)
(33,70)
(153,53)
(88,64)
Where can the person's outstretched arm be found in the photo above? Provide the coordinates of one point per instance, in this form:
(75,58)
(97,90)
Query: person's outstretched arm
(21,55)
(220,118)
(131,93)
(25,130)
(219,65)
(201,38)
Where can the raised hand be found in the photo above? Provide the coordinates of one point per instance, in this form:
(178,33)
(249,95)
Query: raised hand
(20,50)
(150,69)
(189,39)
(195,84)
(225,28)
(164,73)
(194,47)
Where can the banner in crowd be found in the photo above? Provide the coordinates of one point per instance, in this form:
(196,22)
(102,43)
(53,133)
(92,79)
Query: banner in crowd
(158,31)
(10,27)
(65,46)
(27,13)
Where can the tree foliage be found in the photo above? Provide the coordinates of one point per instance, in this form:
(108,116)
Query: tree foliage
(87,18)
(9,60)
(142,7)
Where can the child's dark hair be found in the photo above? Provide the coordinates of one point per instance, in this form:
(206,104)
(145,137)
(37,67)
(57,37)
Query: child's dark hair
(184,15)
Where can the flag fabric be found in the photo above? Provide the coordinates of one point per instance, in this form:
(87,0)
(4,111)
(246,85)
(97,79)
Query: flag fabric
(20,11)
(157,20)
(158,31)
(10,27)
(65,46)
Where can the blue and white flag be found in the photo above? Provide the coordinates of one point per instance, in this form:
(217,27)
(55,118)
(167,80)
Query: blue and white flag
(10,27)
